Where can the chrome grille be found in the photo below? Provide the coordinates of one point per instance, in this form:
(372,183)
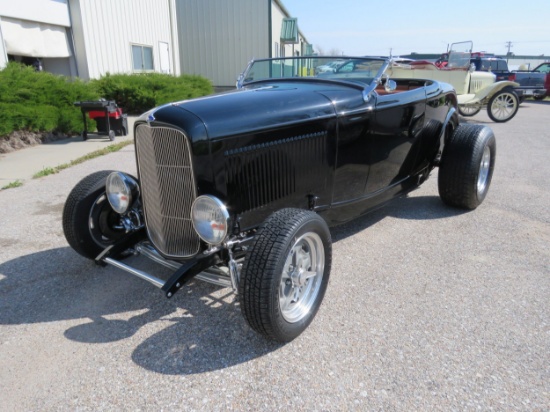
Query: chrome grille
(167,189)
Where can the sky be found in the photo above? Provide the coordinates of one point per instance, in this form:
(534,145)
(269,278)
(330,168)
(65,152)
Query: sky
(368,27)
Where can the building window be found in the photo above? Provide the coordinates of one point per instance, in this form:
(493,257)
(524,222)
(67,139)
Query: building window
(143,58)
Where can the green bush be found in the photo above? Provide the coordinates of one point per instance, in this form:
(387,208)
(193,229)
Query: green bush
(36,118)
(44,102)
(138,93)
(40,101)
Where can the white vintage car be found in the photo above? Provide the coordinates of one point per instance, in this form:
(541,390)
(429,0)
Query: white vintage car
(474,89)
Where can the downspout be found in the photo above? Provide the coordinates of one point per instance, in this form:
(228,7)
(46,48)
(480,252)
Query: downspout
(174,40)
(270,27)
(3,49)
(73,48)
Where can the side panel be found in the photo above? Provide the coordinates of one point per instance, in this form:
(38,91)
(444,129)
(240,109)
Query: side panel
(263,172)
(397,143)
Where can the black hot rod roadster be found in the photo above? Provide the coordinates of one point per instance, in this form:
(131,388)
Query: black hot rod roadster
(240,188)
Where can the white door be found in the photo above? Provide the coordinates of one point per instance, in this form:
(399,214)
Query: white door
(164,57)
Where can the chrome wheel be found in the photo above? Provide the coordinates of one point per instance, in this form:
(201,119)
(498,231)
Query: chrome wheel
(484,168)
(503,106)
(285,273)
(302,277)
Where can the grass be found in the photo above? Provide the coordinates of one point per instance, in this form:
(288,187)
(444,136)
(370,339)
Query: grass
(45,172)
(109,149)
(11,185)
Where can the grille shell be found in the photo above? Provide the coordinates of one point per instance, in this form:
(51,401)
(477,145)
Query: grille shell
(168,189)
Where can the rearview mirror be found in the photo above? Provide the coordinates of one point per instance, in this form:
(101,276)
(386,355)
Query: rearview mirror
(390,86)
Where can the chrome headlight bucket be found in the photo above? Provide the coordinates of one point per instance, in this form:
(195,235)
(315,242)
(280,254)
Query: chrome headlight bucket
(210,219)
(121,191)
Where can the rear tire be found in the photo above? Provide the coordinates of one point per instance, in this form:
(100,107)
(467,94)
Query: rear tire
(285,274)
(467,166)
(89,222)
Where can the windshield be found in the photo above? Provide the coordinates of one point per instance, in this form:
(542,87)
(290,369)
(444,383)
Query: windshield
(362,70)
(459,55)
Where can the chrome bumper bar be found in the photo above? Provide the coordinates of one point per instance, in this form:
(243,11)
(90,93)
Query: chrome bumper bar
(206,267)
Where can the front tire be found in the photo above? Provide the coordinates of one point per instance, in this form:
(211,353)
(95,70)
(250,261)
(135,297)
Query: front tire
(285,274)
(89,222)
(467,166)
(469,110)
(503,105)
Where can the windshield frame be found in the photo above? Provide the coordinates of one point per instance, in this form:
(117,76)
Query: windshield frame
(460,55)
(367,86)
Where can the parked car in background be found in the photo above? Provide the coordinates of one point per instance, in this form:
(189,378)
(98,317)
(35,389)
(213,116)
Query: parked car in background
(488,62)
(329,67)
(530,84)
(475,89)
(537,79)
(239,189)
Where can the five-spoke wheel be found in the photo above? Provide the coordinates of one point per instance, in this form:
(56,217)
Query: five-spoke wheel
(285,273)
(302,277)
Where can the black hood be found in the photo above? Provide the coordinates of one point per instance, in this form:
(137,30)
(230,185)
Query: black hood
(255,109)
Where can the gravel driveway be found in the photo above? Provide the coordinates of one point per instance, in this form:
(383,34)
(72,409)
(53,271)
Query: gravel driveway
(428,308)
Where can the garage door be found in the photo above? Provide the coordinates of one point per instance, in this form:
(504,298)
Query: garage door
(26,38)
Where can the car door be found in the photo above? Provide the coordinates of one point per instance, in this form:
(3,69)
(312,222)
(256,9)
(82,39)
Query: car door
(398,119)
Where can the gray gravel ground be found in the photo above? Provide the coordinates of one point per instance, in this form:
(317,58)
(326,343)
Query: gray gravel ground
(428,308)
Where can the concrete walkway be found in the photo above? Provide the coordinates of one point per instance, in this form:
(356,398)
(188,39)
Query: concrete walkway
(25,163)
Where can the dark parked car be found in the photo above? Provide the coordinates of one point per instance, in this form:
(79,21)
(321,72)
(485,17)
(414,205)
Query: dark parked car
(531,84)
(240,188)
(537,80)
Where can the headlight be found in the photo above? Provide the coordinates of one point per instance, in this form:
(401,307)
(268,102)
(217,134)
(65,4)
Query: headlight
(210,219)
(121,190)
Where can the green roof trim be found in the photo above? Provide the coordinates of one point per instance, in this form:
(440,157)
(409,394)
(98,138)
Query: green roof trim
(289,30)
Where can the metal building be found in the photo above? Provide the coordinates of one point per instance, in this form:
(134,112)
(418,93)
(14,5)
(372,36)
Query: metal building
(218,38)
(37,32)
(89,38)
(124,36)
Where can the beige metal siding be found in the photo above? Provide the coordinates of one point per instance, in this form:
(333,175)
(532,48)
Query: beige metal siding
(104,31)
(277,16)
(219,37)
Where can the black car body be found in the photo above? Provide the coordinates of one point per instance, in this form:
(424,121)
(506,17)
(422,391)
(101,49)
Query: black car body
(239,188)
